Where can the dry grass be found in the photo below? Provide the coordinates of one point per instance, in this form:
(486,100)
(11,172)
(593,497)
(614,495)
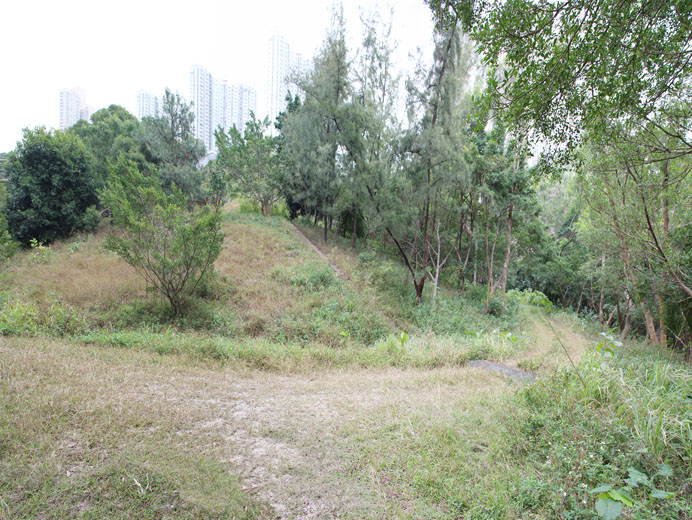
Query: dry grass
(250,255)
(543,349)
(295,441)
(338,249)
(89,277)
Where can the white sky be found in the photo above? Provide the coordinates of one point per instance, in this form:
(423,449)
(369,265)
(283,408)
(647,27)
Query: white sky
(113,49)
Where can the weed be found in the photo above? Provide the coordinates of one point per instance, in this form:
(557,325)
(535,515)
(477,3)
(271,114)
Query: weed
(40,253)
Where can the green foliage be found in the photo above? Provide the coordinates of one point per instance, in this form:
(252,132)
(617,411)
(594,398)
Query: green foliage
(112,132)
(40,253)
(50,186)
(530,297)
(20,318)
(170,247)
(630,417)
(312,276)
(559,68)
(169,144)
(8,246)
(251,161)
(91,219)
(279,209)
(611,501)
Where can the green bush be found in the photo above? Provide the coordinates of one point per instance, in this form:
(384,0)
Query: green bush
(530,297)
(20,318)
(51,185)
(631,411)
(91,219)
(343,316)
(172,248)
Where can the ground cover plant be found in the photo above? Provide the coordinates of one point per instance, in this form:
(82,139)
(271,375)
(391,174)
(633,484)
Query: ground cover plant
(435,440)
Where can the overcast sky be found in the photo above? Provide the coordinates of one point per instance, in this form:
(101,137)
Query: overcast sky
(113,49)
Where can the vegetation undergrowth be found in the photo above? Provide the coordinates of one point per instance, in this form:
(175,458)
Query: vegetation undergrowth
(629,428)
(274,304)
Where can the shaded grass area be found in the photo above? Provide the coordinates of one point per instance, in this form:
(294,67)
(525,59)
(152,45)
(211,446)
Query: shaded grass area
(77,441)
(539,452)
(426,351)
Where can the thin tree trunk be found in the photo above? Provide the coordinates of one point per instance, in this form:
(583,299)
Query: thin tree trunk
(508,248)
(601,301)
(355,226)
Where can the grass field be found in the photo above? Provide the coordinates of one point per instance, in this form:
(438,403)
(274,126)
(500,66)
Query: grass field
(289,392)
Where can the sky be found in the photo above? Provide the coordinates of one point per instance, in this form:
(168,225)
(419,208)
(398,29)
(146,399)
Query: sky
(113,49)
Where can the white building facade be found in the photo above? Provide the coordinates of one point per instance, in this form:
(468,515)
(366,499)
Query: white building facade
(72,107)
(148,105)
(216,103)
(283,66)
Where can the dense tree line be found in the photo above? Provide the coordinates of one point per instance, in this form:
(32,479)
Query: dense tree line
(436,167)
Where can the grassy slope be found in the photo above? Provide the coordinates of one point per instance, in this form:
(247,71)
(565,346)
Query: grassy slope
(347,421)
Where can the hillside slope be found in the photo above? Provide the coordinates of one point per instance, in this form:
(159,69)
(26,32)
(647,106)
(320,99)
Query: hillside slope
(289,392)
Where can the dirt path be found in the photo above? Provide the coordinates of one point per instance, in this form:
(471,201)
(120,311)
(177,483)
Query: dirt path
(288,436)
(545,350)
(294,440)
(317,250)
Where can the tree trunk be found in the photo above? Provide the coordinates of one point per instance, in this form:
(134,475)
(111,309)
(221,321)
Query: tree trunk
(325,229)
(649,322)
(600,303)
(508,248)
(355,226)
(662,336)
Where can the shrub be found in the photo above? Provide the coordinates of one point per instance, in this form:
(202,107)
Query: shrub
(91,219)
(170,247)
(310,276)
(50,186)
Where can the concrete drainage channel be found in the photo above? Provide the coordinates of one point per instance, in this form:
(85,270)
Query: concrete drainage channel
(515,374)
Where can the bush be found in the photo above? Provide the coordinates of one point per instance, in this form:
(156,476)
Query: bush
(530,297)
(310,276)
(172,248)
(632,412)
(18,318)
(50,186)
(91,219)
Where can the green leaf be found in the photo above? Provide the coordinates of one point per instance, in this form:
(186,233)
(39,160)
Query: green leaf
(620,496)
(664,470)
(659,493)
(601,489)
(638,477)
(608,509)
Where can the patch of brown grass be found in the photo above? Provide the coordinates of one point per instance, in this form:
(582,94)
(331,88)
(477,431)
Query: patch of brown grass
(86,278)
(250,255)
(295,440)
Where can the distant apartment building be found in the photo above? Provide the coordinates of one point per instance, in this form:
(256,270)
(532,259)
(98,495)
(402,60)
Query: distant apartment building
(148,105)
(282,66)
(216,103)
(72,107)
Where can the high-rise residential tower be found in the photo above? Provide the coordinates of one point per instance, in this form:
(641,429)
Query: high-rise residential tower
(201,93)
(148,105)
(216,104)
(72,107)
(282,65)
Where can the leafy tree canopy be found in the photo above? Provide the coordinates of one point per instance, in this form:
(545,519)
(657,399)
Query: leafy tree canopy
(252,161)
(111,132)
(50,186)
(170,144)
(559,67)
